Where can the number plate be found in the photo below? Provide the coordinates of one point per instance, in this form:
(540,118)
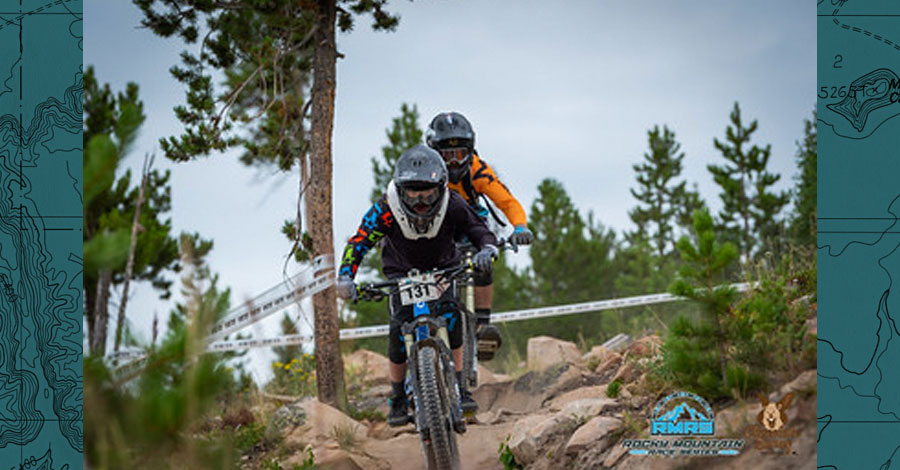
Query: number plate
(420,288)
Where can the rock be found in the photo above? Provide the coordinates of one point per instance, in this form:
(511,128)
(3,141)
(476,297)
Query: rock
(614,456)
(381,431)
(612,363)
(544,351)
(595,433)
(287,418)
(485,376)
(324,424)
(522,441)
(596,355)
(732,421)
(493,417)
(371,367)
(596,391)
(626,374)
(335,459)
(804,383)
(325,420)
(588,407)
(646,347)
(812,325)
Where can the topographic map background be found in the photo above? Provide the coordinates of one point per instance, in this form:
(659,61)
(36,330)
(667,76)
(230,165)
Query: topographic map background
(40,234)
(859,234)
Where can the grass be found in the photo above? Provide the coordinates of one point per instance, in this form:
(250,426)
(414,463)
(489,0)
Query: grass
(344,435)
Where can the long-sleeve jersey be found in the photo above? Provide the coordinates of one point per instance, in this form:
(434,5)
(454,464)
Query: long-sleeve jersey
(399,254)
(485,181)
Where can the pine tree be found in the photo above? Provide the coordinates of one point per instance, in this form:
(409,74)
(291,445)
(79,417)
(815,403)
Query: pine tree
(803,223)
(571,259)
(705,259)
(111,123)
(268,52)
(664,203)
(751,209)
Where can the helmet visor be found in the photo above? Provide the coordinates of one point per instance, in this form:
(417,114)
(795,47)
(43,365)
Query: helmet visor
(455,155)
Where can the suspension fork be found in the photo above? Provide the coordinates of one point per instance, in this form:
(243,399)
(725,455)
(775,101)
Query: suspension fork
(471,376)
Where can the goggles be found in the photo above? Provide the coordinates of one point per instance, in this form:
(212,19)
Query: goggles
(414,195)
(455,155)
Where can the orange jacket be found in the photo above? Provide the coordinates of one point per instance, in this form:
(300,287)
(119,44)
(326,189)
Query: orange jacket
(485,181)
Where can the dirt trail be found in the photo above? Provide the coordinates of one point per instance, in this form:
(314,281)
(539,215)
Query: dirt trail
(558,417)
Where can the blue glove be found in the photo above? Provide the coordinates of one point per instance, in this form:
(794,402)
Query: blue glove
(484,259)
(521,235)
(346,288)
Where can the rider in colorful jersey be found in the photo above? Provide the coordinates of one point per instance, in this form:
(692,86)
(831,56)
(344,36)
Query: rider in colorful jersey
(417,220)
(452,135)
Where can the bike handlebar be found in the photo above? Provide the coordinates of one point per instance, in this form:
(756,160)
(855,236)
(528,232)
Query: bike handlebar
(375,291)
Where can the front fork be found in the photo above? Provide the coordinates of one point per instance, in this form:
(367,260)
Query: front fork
(470,354)
(444,355)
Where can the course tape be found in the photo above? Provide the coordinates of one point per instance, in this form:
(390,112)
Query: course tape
(515,315)
(274,300)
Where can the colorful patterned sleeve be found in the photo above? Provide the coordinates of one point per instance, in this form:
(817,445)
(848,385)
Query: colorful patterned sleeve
(374,226)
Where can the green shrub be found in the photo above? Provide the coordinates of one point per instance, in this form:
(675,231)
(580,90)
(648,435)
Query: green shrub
(507,458)
(612,390)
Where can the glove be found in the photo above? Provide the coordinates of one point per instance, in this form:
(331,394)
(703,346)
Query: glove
(484,259)
(346,288)
(521,235)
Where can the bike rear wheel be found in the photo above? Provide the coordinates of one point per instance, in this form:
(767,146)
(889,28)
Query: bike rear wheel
(441,452)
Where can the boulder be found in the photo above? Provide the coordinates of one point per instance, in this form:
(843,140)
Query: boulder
(286,418)
(732,421)
(614,456)
(371,366)
(596,391)
(485,376)
(647,346)
(610,365)
(626,374)
(597,355)
(594,434)
(335,459)
(804,383)
(544,351)
(522,441)
(323,422)
(587,407)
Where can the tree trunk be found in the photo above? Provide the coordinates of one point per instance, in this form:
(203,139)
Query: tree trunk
(101,314)
(329,364)
(129,267)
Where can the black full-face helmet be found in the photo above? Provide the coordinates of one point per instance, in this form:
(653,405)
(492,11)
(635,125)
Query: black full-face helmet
(452,136)
(421,180)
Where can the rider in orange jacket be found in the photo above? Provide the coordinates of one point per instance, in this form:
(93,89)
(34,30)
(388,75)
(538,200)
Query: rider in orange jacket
(452,135)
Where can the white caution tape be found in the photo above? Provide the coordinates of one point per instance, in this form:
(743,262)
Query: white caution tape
(515,315)
(274,300)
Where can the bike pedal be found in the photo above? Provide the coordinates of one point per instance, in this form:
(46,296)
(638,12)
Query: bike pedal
(460,426)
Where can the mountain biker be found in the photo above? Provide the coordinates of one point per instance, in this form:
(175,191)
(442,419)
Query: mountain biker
(452,135)
(417,220)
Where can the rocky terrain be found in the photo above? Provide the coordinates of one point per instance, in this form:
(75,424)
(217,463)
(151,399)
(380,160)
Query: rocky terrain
(556,415)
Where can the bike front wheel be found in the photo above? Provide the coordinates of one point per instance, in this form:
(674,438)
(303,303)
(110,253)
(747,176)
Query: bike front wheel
(441,452)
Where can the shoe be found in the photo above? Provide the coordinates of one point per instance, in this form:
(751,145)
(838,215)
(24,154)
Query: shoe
(489,341)
(399,411)
(466,402)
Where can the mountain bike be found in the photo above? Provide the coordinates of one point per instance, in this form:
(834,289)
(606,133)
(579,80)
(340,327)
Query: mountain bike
(432,388)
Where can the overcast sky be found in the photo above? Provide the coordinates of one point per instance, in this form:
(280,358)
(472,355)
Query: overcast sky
(553,90)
